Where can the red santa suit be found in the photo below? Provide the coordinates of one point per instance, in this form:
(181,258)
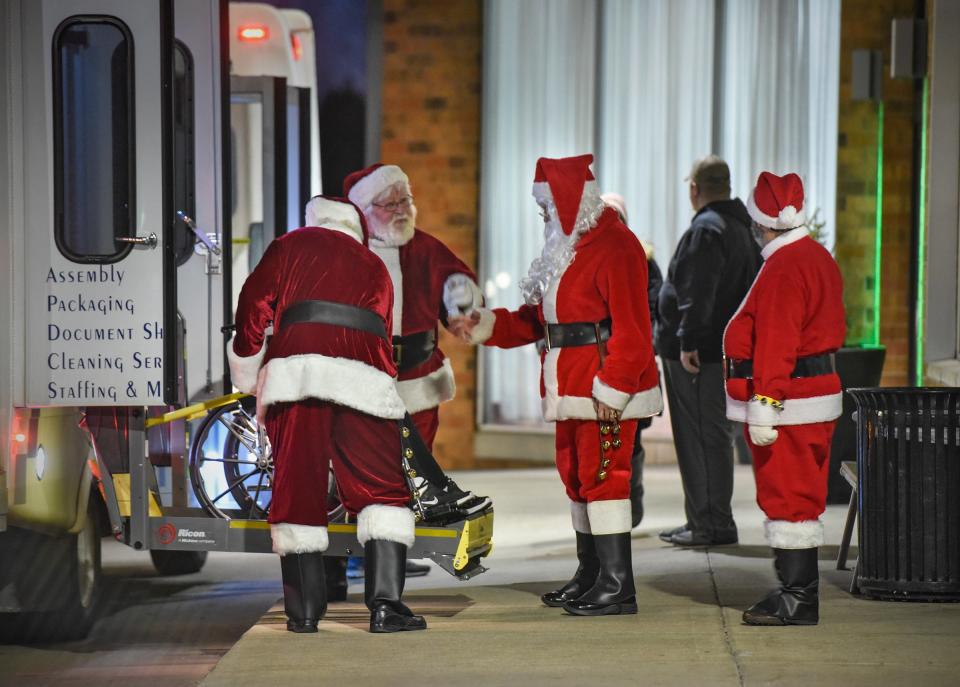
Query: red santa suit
(602,278)
(429,282)
(326,392)
(777,348)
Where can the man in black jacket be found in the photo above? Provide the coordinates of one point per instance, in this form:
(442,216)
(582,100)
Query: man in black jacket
(710,273)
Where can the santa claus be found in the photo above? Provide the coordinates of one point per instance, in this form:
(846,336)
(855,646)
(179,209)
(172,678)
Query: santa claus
(586,298)
(325,388)
(781,382)
(429,283)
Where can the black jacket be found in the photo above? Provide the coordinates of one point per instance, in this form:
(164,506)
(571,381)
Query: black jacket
(710,273)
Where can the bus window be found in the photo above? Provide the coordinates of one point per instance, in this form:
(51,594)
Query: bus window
(93,138)
(184,179)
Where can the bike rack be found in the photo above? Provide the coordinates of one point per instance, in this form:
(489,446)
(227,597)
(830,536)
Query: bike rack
(456,547)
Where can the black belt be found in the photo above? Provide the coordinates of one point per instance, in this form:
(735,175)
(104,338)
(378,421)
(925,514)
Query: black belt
(339,314)
(576,333)
(810,366)
(413,350)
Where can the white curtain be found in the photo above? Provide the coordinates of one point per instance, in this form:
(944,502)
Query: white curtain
(539,63)
(779,87)
(655,110)
(666,82)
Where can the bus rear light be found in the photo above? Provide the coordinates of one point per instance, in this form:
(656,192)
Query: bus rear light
(296,46)
(253,33)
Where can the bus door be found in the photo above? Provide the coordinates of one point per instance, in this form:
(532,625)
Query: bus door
(258,139)
(98,203)
(198,195)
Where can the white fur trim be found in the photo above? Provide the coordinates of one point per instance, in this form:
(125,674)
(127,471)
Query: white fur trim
(338,380)
(391,258)
(642,404)
(784,239)
(783,534)
(461,295)
(292,538)
(605,393)
(541,190)
(244,369)
(428,391)
(484,328)
(375,183)
(762,414)
(578,514)
(788,218)
(609,517)
(796,411)
(387,523)
(333,214)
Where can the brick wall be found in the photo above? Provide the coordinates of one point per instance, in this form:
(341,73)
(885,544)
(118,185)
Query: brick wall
(865,24)
(431,128)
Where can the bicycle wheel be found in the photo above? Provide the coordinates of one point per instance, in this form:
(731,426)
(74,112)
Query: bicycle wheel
(231,464)
(231,467)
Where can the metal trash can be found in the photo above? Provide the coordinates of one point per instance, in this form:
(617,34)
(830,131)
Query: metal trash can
(908,460)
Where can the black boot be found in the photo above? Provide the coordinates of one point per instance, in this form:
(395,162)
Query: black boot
(797,601)
(613,593)
(582,580)
(385,563)
(304,590)
(636,483)
(335,570)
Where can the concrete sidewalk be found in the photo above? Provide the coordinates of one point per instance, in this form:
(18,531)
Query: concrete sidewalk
(493,631)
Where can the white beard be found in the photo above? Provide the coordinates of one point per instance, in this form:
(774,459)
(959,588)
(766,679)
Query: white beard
(558,248)
(556,255)
(393,233)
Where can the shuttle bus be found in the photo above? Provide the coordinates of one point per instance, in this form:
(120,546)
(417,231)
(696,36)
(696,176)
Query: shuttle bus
(149,151)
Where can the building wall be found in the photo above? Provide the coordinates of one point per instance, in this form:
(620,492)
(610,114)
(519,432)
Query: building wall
(865,24)
(431,128)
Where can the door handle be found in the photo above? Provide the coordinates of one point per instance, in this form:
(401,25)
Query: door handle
(149,241)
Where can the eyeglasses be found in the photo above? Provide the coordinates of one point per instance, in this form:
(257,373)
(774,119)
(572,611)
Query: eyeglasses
(402,204)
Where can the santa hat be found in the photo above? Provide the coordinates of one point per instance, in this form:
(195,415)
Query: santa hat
(566,181)
(338,214)
(364,185)
(777,202)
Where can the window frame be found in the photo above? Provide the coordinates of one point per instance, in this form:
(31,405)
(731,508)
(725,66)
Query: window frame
(58,131)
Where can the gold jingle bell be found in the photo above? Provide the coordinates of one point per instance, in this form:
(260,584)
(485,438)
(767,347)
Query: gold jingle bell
(408,453)
(617,443)
(616,428)
(405,431)
(604,429)
(605,463)
(602,476)
(412,473)
(605,444)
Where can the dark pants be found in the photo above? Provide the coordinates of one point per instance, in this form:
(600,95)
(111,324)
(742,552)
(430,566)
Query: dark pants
(704,440)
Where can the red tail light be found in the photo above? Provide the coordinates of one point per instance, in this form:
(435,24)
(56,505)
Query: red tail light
(296,46)
(253,33)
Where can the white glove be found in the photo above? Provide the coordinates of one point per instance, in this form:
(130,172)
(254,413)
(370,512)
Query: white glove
(460,295)
(762,436)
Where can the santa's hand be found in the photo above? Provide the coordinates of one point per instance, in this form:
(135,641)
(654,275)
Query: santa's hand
(461,296)
(462,327)
(762,436)
(604,412)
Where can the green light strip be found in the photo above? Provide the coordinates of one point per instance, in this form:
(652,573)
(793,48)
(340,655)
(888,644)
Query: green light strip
(878,236)
(920,314)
